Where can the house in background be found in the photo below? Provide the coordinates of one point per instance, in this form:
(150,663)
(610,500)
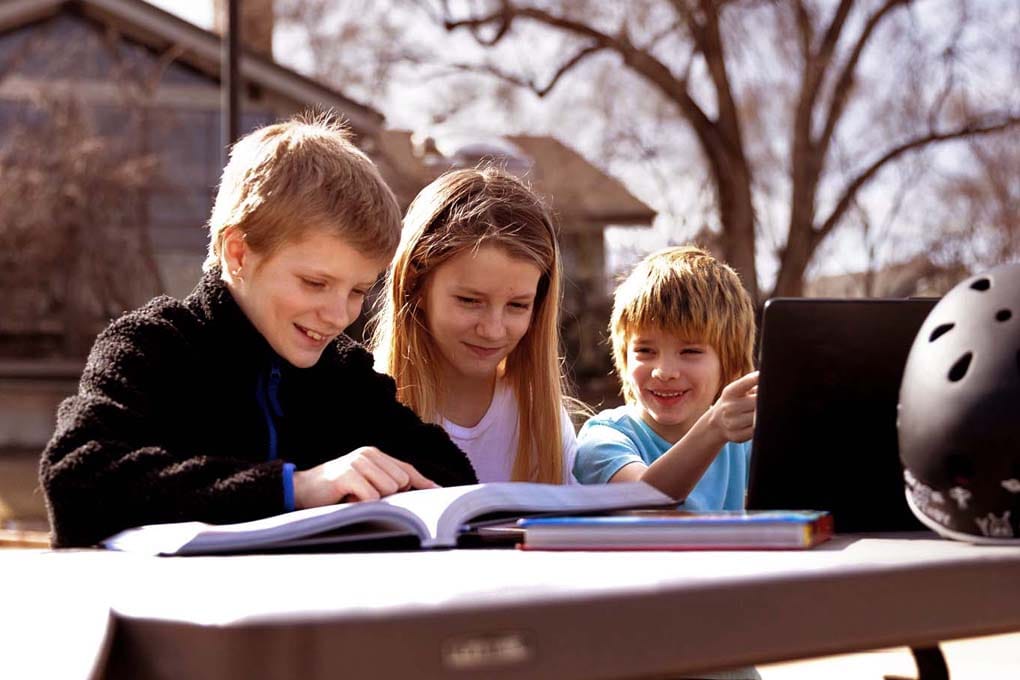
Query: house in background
(916,277)
(151,80)
(110,153)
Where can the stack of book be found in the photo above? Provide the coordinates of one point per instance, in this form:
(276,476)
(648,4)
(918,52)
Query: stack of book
(679,530)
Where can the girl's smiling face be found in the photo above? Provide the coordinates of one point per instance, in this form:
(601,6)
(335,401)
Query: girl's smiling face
(674,380)
(304,294)
(478,305)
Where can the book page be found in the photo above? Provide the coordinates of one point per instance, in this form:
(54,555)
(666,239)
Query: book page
(429,505)
(187,538)
(445,511)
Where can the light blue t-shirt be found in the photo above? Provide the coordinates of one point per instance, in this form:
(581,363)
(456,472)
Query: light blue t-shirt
(616,437)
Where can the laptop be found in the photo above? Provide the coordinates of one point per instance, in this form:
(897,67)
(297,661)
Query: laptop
(825,430)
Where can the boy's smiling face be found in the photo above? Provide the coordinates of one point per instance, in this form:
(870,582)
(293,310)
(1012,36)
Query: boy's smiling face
(303,295)
(674,381)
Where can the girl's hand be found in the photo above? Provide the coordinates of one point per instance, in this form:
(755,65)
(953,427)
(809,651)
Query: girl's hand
(732,416)
(363,474)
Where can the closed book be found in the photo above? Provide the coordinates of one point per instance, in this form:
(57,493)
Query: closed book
(679,530)
(427,518)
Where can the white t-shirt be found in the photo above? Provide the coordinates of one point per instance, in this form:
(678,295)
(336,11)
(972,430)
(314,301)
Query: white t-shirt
(491,445)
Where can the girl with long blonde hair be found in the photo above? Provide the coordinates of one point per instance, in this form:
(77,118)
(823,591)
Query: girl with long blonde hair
(468,328)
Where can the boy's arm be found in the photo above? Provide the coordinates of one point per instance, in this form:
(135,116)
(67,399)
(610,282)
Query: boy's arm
(680,469)
(108,466)
(404,436)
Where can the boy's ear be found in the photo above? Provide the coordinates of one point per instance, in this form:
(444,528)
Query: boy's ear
(235,250)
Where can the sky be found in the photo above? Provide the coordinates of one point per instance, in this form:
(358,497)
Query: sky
(199,12)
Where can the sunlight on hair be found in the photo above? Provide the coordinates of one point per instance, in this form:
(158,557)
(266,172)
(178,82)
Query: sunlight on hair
(460,211)
(317,178)
(686,292)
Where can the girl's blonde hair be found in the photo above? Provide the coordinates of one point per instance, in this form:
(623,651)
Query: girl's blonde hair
(687,292)
(459,211)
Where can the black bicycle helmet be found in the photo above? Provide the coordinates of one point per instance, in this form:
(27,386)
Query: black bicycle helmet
(959,412)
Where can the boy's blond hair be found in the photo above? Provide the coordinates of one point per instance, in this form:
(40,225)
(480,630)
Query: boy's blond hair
(686,292)
(286,179)
(461,211)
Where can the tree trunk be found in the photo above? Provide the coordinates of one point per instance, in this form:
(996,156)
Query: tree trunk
(800,246)
(736,213)
(806,164)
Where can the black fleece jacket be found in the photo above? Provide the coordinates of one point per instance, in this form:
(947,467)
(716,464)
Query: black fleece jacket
(167,426)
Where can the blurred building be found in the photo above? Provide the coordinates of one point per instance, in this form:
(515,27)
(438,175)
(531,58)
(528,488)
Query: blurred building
(111,143)
(916,277)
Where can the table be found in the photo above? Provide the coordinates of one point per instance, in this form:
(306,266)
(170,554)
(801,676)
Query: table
(514,614)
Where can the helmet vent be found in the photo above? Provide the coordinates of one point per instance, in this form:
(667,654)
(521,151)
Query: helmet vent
(959,369)
(960,468)
(981,284)
(1003,315)
(940,331)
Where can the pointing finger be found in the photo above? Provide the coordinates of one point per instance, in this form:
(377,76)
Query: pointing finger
(742,385)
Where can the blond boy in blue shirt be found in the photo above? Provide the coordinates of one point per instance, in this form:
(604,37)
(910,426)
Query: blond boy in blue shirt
(683,334)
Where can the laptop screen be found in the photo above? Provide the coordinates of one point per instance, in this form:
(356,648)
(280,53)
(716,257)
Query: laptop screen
(825,431)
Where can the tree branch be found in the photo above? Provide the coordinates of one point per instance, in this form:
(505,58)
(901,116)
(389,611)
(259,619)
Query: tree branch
(813,73)
(816,65)
(503,17)
(695,28)
(805,31)
(530,84)
(972,129)
(833,33)
(949,59)
(640,61)
(661,35)
(715,59)
(566,66)
(841,90)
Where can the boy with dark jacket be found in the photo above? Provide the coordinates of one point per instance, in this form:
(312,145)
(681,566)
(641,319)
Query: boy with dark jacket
(244,399)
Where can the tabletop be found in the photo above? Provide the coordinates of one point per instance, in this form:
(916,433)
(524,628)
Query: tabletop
(505,613)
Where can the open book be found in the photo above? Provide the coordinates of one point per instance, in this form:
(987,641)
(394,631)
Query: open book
(435,517)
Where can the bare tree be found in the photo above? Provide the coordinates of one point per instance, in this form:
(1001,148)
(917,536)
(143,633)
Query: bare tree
(355,45)
(704,57)
(977,223)
(75,246)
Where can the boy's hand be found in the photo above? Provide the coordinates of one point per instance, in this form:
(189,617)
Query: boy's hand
(733,414)
(363,474)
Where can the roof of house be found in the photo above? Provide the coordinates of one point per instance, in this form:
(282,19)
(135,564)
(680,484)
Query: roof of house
(917,276)
(580,193)
(196,47)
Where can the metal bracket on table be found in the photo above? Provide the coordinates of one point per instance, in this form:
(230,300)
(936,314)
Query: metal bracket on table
(931,665)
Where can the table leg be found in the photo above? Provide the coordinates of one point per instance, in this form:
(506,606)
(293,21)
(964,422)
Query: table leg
(931,665)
